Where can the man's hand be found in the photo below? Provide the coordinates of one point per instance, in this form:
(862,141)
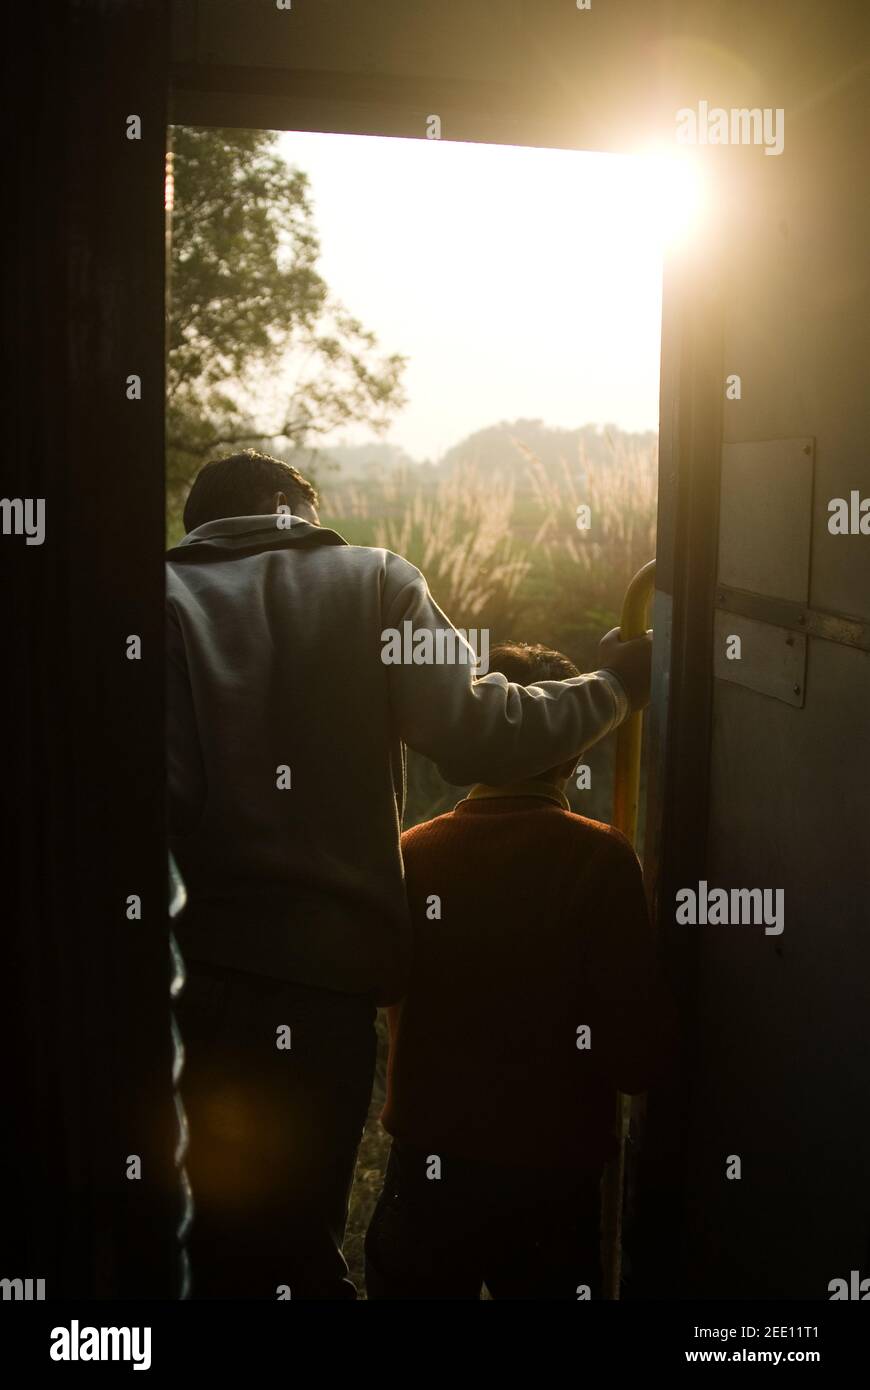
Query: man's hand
(631,661)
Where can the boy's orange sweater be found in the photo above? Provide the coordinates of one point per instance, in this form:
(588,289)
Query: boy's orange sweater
(529,923)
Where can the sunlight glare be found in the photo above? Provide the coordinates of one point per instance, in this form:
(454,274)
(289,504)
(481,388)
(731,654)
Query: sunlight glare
(672,188)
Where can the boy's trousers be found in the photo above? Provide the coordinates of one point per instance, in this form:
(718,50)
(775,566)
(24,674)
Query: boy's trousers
(443,1227)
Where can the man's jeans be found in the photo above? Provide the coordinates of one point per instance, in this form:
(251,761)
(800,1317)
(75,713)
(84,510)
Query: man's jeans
(524,1233)
(276,1086)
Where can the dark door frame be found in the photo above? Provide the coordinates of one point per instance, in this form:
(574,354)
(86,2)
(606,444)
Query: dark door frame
(92,1192)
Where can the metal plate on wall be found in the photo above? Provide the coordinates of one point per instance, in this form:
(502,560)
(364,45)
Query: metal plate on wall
(773,660)
(765,517)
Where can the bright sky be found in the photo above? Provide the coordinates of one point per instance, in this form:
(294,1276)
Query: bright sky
(519,282)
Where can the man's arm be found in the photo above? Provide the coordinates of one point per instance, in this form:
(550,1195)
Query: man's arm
(488,730)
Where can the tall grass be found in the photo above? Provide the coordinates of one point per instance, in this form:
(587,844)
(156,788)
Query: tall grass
(621,496)
(457,530)
(503,548)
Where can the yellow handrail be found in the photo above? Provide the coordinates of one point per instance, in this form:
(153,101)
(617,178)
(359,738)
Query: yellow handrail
(626,780)
(626,796)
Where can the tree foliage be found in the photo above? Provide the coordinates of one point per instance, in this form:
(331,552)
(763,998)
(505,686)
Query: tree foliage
(259,350)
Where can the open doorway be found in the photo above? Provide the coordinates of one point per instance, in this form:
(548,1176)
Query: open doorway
(458,346)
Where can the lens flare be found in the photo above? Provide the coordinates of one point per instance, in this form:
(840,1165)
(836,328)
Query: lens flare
(673,190)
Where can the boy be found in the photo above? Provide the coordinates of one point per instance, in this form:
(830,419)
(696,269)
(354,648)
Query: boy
(534,996)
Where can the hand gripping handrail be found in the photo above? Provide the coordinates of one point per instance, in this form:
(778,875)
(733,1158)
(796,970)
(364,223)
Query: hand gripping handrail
(626,797)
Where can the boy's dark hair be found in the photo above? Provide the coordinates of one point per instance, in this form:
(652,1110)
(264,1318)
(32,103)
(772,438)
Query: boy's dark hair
(525,665)
(243,485)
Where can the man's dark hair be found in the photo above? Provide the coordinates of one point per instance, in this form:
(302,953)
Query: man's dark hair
(243,485)
(525,665)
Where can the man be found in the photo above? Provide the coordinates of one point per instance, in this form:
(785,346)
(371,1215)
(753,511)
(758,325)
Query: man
(286,765)
(534,997)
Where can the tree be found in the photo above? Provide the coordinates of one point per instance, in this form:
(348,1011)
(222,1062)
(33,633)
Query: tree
(248,308)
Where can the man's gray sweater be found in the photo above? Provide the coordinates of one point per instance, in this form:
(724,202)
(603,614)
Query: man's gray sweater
(285,743)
